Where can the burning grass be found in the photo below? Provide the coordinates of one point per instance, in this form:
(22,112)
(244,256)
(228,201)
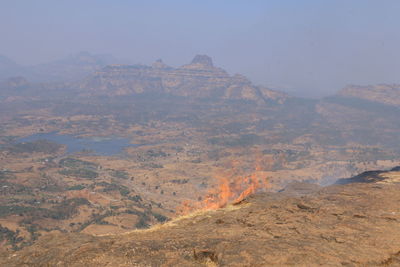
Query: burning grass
(230,190)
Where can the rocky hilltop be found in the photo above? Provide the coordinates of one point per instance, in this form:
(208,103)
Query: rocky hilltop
(199,79)
(356,224)
(388,94)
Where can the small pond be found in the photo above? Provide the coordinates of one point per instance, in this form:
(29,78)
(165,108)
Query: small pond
(104,146)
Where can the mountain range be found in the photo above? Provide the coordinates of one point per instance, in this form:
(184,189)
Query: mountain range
(71,68)
(199,79)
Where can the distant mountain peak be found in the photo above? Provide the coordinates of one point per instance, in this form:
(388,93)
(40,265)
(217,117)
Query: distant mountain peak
(159,64)
(204,60)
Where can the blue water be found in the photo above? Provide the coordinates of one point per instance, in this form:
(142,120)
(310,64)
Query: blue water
(97,145)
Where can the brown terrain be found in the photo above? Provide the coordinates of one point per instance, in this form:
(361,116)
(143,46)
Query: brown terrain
(200,139)
(383,93)
(356,224)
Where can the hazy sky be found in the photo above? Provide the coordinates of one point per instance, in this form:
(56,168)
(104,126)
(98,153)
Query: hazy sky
(310,46)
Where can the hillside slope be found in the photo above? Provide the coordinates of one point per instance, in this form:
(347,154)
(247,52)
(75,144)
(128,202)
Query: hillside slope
(352,225)
(387,94)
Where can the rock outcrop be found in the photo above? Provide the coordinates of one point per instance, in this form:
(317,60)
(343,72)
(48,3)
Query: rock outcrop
(202,60)
(199,79)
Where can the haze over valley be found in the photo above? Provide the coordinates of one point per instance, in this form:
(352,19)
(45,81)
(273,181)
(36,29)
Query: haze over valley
(122,161)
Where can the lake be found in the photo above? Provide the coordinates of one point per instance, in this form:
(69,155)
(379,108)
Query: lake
(105,146)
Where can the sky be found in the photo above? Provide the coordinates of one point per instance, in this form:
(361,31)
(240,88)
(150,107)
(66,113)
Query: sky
(305,47)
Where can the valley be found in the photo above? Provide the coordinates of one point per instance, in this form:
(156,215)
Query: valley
(130,147)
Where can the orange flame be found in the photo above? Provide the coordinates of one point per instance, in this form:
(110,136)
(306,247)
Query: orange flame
(227,192)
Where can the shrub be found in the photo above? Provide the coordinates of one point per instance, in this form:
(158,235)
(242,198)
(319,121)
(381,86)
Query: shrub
(81,173)
(77,163)
(119,174)
(76,187)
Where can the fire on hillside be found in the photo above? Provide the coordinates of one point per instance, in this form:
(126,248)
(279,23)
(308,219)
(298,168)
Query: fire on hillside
(229,191)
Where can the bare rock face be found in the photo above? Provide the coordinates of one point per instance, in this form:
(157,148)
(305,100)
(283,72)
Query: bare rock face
(199,79)
(159,64)
(117,80)
(203,60)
